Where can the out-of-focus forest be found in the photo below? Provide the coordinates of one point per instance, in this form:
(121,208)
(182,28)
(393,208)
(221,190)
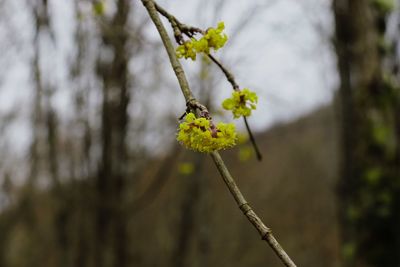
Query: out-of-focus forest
(91,173)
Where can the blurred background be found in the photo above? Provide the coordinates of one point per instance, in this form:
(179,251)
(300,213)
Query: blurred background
(91,173)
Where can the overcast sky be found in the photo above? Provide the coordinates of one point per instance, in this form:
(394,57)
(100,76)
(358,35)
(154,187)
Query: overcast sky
(283,52)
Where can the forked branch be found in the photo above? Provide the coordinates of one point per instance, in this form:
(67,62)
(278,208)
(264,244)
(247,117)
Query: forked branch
(179,29)
(264,231)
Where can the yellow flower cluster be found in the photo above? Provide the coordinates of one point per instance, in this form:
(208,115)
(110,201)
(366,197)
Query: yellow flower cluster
(213,38)
(241,103)
(199,134)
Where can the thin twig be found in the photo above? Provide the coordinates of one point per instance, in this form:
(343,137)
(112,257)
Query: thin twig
(263,230)
(229,76)
(163,12)
(177,26)
(235,86)
(252,139)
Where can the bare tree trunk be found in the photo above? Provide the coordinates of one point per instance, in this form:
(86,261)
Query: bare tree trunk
(112,242)
(367,189)
(27,204)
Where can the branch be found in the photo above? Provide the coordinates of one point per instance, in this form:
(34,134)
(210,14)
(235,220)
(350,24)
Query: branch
(252,139)
(231,79)
(176,65)
(177,26)
(190,31)
(229,76)
(263,230)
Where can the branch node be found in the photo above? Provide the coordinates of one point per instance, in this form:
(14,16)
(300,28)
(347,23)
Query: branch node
(268,232)
(191,102)
(245,208)
(194,105)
